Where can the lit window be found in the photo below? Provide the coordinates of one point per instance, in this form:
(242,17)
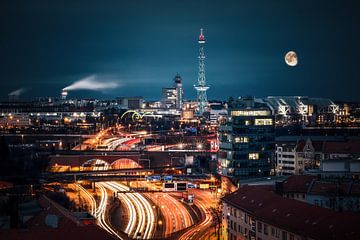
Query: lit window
(265,121)
(247,122)
(241,139)
(250,113)
(253,156)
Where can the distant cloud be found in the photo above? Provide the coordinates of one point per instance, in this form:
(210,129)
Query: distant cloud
(92,83)
(17,92)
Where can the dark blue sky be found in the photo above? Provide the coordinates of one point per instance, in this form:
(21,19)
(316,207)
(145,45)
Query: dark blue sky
(47,45)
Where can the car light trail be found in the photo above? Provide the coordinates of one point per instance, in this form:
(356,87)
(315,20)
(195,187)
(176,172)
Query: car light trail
(145,214)
(90,198)
(101,212)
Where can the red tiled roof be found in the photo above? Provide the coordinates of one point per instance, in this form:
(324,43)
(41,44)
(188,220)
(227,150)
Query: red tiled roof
(295,216)
(297,183)
(330,188)
(68,226)
(351,147)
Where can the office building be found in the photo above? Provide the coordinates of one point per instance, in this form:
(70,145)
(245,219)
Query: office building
(246,139)
(173,97)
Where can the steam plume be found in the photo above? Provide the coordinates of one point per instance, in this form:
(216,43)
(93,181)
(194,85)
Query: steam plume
(17,92)
(91,83)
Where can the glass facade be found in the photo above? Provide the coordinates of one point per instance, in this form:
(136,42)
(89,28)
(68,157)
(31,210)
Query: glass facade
(247,139)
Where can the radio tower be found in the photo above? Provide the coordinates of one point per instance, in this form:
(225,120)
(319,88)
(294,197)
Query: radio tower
(201,87)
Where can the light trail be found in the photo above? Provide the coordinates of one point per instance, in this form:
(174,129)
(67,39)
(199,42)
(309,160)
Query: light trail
(130,206)
(145,211)
(199,231)
(145,214)
(186,218)
(101,212)
(90,198)
(150,227)
(176,216)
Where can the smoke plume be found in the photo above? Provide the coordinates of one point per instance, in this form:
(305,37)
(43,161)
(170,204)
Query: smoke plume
(92,83)
(17,92)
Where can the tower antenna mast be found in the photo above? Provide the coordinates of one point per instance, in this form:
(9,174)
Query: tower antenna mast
(201,86)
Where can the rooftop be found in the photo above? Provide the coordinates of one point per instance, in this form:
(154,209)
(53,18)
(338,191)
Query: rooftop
(295,216)
(297,183)
(56,223)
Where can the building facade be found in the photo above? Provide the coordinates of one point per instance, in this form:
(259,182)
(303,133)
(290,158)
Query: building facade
(173,97)
(246,139)
(322,154)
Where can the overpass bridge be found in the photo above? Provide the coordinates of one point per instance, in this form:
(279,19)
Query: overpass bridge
(134,174)
(104,160)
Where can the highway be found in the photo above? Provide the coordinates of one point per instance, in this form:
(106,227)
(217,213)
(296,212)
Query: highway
(204,200)
(142,218)
(101,212)
(175,214)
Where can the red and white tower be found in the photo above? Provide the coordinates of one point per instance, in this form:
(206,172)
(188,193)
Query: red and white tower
(201,87)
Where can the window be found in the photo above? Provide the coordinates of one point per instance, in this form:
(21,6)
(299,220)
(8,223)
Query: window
(277,233)
(265,121)
(259,227)
(284,235)
(253,156)
(250,113)
(246,220)
(266,229)
(241,139)
(272,231)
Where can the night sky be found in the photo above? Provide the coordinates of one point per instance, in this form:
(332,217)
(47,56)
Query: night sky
(47,45)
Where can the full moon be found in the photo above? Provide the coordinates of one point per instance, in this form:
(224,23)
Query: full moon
(291,58)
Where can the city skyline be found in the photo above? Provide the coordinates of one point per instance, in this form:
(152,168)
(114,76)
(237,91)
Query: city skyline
(141,46)
(169,119)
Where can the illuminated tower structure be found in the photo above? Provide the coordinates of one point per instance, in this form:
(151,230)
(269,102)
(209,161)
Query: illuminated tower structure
(179,91)
(201,87)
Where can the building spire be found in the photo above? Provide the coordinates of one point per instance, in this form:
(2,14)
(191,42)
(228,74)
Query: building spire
(201,36)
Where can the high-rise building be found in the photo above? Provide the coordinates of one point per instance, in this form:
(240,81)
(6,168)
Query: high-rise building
(201,87)
(179,91)
(246,139)
(173,97)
